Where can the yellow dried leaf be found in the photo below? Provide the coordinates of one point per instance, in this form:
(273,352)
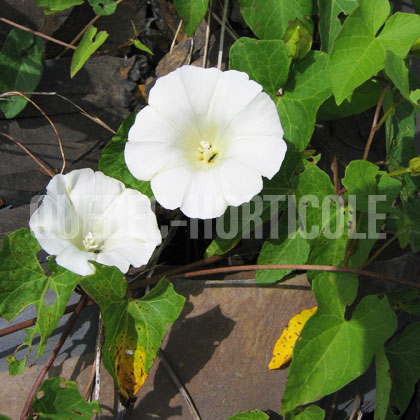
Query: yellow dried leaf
(283,348)
(130,367)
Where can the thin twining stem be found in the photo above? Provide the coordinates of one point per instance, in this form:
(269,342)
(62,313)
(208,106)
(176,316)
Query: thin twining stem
(44,370)
(60,143)
(179,273)
(304,267)
(29,153)
(48,38)
(375,127)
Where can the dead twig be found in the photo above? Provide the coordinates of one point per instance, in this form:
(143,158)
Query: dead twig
(31,322)
(228,29)
(44,370)
(303,267)
(49,38)
(222,35)
(178,384)
(60,144)
(374,123)
(175,37)
(206,43)
(44,169)
(334,167)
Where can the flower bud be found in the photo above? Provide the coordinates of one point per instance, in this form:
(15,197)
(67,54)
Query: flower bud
(414,166)
(298,39)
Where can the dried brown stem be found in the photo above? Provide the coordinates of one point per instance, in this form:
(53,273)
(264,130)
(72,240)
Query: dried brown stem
(305,267)
(206,43)
(181,388)
(375,122)
(44,169)
(170,273)
(334,167)
(31,322)
(49,38)
(222,35)
(44,370)
(183,273)
(60,144)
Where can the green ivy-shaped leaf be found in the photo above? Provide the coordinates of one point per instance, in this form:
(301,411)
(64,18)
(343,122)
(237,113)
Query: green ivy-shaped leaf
(20,69)
(250,415)
(191,12)
(406,220)
(359,52)
(364,181)
(87,46)
(371,193)
(57,399)
(311,412)
(265,61)
(103,7)
(401,371)
(383,384)
(399,133)
(290,248)
(53,6)
(363,98)
(397,71)
(112,161)
(329,22)
(322,215)
(140,46)
(307,88)
(23,283)
(333,351)
(269,19)
(134,327)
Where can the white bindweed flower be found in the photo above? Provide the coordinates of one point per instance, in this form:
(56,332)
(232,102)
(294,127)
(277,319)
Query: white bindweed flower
(87,215)
(205,140)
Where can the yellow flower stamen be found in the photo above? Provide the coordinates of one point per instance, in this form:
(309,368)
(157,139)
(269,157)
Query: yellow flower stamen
(90,244)
(207,152)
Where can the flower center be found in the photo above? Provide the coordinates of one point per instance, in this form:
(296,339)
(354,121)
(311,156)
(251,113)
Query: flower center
(90,244)
(207,152)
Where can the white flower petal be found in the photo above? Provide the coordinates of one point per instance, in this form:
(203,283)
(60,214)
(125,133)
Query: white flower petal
(126,252)
(76,260)
(106,190)
(54,223)
(183,93)
(258,118)
(239,182)
(257,136)
(57,186)
(115,257)
(169,186)
(265,154)
(129,217)
(145,159)
(234,91)
(91,193)
(150,125)
(204,196)
(202,81)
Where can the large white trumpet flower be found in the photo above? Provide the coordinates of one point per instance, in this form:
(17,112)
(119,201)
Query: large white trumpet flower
(205,140)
